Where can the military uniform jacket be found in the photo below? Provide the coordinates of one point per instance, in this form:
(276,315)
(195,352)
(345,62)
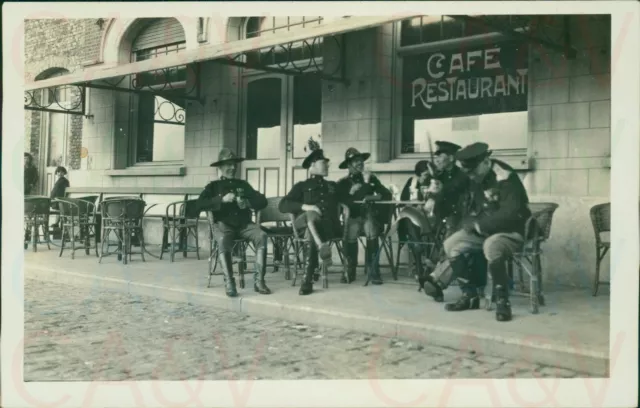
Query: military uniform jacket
(499,204)
(454,184)
(314,191)
(374,186)
(230,213)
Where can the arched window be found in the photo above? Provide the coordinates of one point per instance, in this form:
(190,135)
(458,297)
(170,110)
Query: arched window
(160,135)
(284,55)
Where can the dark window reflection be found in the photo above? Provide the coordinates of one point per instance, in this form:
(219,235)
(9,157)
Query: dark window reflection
(307,113)
(264,104)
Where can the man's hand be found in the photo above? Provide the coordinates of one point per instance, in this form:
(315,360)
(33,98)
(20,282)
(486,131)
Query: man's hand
(307,207)
(435,187)
(469,225)
(374,197)
(429,206)
(355,188)
(228,198)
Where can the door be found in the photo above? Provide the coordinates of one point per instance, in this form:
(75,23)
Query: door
(56,128)
(281,114)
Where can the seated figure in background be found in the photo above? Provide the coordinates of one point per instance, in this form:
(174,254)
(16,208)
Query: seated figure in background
(231,201)
(58,191)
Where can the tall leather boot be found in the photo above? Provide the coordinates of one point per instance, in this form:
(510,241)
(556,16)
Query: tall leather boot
(372,260)
(259,284)
(426,281)
(469,299)
(351,249)
(306,287)
(498,270)
(227,269)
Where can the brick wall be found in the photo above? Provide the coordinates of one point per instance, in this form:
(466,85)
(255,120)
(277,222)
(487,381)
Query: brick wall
(55,43)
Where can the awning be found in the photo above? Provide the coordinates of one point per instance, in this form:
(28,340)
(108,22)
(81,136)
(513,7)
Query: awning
(212,52)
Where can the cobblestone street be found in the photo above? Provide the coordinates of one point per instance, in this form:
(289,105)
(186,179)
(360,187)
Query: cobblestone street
(110,336)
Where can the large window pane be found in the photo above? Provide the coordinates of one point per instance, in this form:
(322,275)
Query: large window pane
(264,107)
(307,113)
(465,95)
(160,130)
(58,129)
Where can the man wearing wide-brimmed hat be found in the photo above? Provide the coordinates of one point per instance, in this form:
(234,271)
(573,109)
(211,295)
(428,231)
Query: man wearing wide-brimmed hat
(231,201)
(315,202)
(494,209)
(359,185)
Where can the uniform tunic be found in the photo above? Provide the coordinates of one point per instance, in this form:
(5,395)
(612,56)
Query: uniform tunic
(231,220)
(369,219)
(454,184)
(319,192)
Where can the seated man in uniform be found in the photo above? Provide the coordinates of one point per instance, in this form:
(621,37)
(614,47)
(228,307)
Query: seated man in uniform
(360,185)
(454,183)
(491,222)
(315,203)
(231,201)
(416,223)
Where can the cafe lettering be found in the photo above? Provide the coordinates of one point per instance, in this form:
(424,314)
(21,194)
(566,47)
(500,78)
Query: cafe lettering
(482,80)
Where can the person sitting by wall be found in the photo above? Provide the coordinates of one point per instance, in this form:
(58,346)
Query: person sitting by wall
(492,224)
(58,191)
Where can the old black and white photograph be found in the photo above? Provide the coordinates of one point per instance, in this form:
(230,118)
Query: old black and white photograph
(255,193)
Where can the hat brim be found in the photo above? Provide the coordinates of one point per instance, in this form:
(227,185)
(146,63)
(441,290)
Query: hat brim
(221,162)
(345,163)
(306,163)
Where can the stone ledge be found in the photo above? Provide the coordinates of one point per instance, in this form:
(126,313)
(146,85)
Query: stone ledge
(504,344)
(148,171)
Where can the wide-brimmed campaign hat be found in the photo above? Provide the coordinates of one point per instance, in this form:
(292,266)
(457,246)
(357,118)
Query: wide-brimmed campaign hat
(226,156)
(470,156)
(446,147)
(351,154)
(313,157)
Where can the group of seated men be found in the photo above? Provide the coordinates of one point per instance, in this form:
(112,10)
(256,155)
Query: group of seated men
(481,201)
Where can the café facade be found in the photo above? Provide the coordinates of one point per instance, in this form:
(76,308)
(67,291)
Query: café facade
(149,103)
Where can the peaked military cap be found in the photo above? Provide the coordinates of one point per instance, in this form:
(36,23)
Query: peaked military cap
(226,156)
(351,154)
(313,157)
(472,155)
(446,147)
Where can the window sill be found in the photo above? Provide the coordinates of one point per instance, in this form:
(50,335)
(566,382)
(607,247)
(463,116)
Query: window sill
(148,171)
(406,164)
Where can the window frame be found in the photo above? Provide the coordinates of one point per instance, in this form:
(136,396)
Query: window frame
(399,52)
(134,113)
(318,66)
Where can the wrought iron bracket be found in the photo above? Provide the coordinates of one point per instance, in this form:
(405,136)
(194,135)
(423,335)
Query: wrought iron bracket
(534,33)
(34,100)
(160,82)
(283,60)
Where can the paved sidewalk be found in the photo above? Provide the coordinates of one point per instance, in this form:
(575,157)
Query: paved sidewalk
(72,339)
(572,330)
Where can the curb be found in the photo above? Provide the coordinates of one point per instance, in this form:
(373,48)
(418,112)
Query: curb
(581,359)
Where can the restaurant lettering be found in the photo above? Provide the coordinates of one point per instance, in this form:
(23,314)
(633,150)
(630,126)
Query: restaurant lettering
(466,82)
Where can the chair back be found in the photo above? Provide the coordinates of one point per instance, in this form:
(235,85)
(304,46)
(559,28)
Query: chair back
(271,213)
(538,226)
(601,218)
(35,205)
(188,209)
(75,207)
(122,208)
